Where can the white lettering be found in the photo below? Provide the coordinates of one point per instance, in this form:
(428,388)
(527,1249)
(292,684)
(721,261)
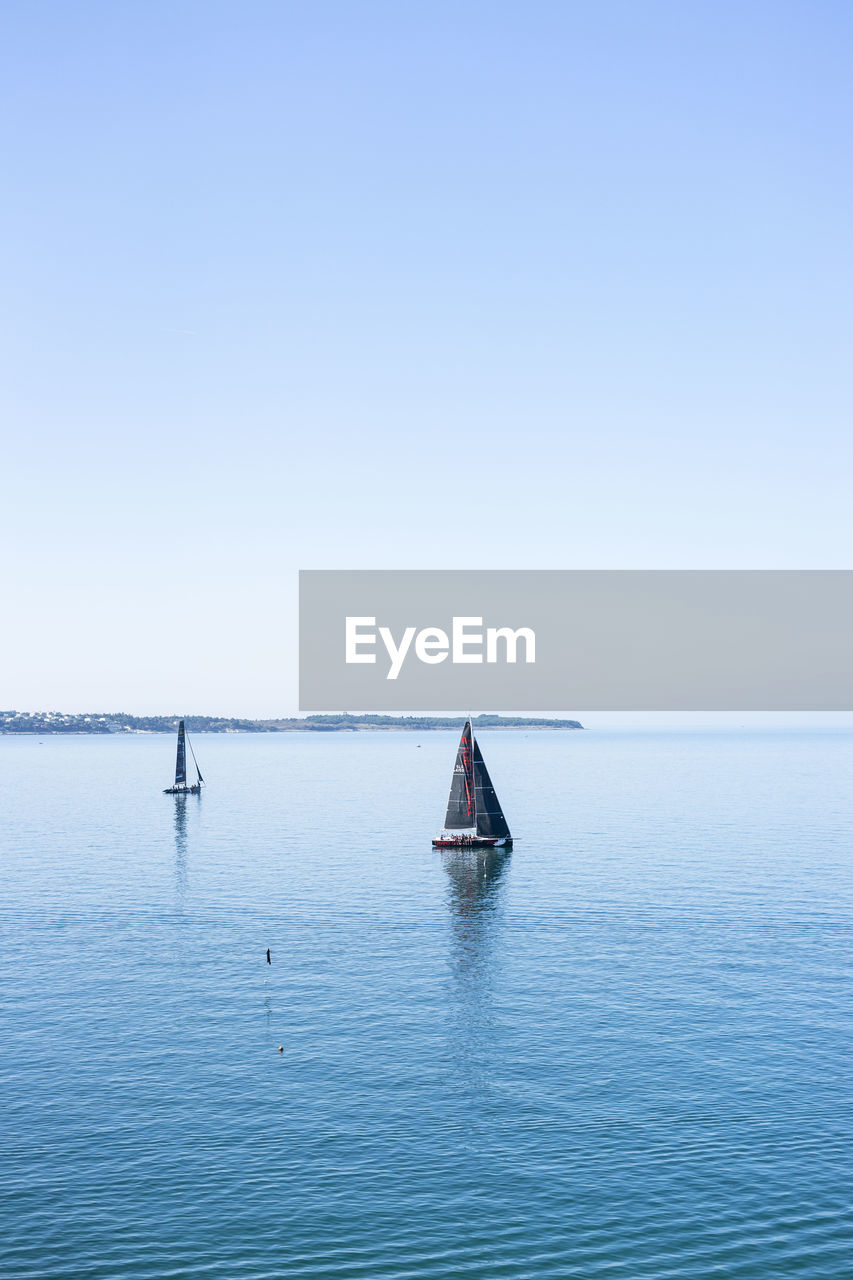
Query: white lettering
(511,639)
(460,639)
(354,639)
(432,645)
(397,655)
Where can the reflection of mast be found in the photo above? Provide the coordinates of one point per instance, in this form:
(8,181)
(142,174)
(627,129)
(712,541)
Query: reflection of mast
(180,849)
(474,898)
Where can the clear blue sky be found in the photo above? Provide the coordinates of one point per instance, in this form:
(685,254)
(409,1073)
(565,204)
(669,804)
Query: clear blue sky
(404,285)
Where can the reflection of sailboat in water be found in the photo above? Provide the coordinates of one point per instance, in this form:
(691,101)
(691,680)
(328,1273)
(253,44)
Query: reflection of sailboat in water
(474,816)
(474,878)
(475,892)
(180,788)
(181,849)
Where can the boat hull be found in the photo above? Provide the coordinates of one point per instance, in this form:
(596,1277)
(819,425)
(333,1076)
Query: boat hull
(182,791)
(468,842)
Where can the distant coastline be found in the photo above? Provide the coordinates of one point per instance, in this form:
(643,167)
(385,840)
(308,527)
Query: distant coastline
(42,722)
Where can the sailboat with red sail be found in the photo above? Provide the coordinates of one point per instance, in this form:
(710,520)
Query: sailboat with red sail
(474,816)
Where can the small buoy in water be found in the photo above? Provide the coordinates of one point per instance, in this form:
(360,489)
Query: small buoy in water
(281,1048)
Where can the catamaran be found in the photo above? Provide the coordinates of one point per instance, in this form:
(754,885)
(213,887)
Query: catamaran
(180,788)
(474,816)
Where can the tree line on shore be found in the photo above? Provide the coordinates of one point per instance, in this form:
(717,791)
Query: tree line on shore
(118,722)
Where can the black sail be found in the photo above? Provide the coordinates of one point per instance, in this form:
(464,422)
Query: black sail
(460,807)
(490,818)
(181,761)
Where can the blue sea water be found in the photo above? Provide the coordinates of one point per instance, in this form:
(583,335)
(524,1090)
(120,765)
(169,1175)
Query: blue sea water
(622,1049)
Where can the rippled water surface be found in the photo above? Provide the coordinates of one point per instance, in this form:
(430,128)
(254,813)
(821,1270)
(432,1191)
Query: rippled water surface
(621,1050)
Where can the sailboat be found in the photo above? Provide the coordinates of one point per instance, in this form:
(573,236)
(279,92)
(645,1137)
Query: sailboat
(474,818)
(180,788)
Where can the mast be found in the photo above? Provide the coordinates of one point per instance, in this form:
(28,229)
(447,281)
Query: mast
(470,723)
(469,774)
(181,759)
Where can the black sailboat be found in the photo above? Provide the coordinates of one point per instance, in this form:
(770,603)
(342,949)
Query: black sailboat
(474,816)
(180,788)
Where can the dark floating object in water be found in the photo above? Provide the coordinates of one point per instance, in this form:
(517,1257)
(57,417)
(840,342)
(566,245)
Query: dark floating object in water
(268,956)
(180,788)
(474,818)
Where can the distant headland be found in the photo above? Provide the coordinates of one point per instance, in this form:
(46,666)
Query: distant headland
(58,722)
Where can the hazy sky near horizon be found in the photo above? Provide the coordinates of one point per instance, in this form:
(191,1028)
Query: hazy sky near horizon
(487,285)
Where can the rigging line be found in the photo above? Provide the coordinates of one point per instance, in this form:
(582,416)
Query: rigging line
(192,753)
